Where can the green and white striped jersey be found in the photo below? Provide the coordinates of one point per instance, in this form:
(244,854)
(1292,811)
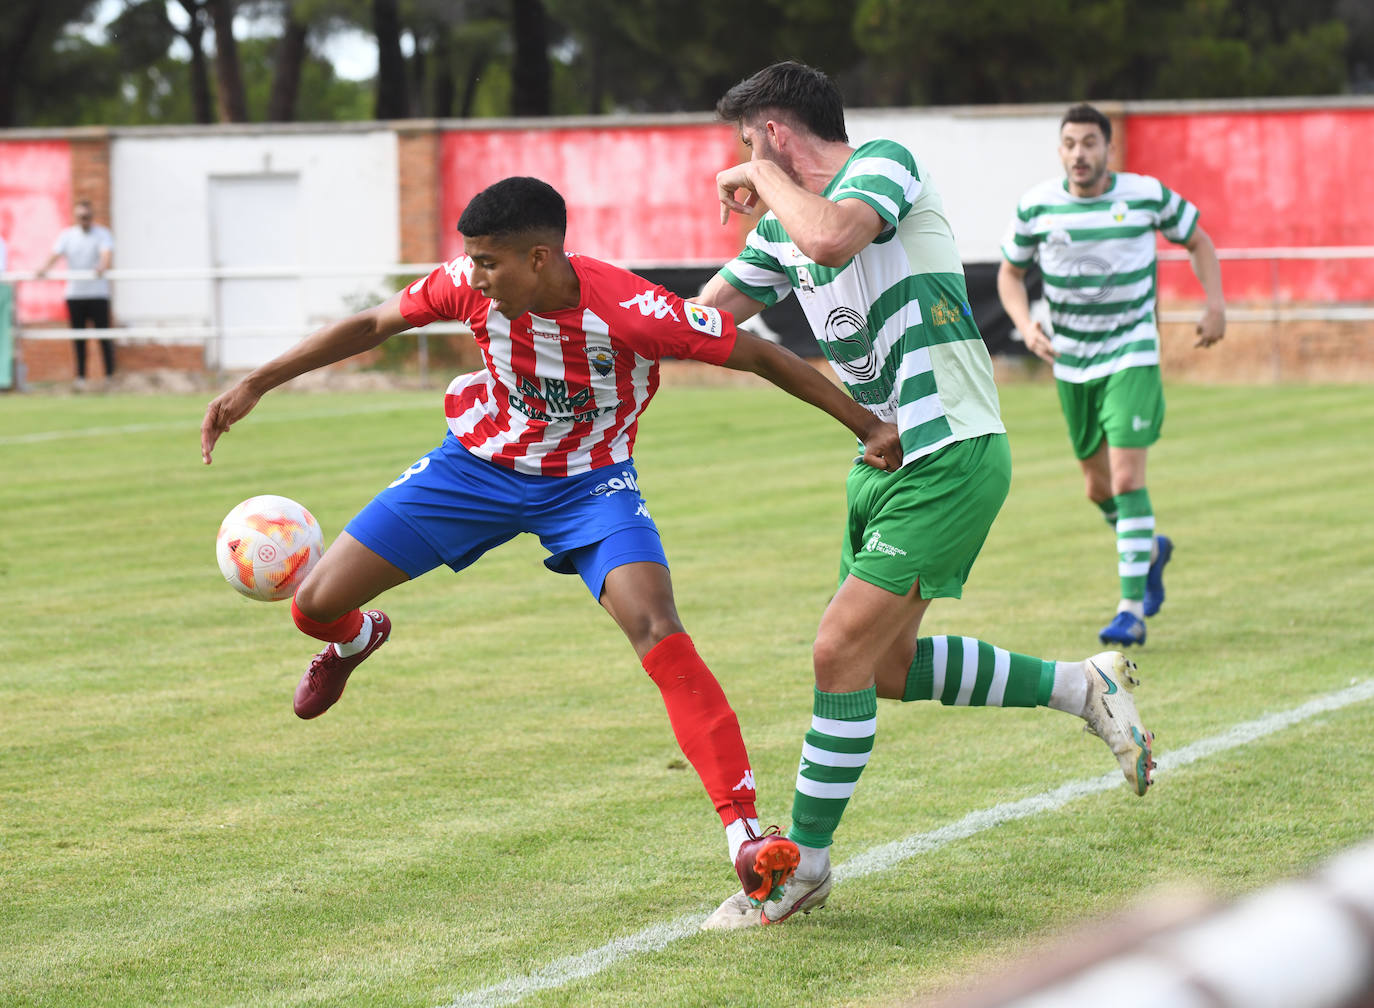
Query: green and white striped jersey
(894,322)
(1097,254)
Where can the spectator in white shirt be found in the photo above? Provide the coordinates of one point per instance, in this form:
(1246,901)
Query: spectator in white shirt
(86,246)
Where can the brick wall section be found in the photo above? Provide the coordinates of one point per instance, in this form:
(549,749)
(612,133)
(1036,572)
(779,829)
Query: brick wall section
(1263,353)
(53,360)
(417,153)
(91,173)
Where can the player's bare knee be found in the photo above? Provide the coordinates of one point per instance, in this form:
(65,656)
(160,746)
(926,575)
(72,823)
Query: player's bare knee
(313,602)
(647,629)
(828,657)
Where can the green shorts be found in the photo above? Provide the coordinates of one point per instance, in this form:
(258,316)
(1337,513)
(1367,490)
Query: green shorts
(928,520)
(1126,407)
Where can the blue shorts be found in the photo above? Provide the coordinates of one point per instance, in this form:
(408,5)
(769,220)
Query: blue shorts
(450,507)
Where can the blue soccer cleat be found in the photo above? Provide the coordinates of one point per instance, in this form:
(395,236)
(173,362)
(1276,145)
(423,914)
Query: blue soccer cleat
(1125,629)
(1154,580)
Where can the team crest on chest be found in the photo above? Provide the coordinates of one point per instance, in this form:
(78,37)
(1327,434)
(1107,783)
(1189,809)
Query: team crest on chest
(602,359)
(1118,211)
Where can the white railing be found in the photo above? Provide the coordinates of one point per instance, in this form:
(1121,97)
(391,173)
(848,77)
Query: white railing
(1277,311)
(207,328)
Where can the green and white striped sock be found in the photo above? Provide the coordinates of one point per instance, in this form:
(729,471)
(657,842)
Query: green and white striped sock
(966,672)
(834,754)
(1135,535)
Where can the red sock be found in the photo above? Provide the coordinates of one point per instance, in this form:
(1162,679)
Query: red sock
(705,725)
(342,630)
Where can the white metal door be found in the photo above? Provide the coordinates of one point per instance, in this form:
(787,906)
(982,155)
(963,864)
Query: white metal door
(255,224)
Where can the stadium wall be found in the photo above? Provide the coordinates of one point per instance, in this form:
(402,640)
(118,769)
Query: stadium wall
(1279,173)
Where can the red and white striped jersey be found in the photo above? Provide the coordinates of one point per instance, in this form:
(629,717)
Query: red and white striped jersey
(562,393)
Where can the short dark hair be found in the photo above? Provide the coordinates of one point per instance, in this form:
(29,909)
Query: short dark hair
(515,206)
(798,91)
(1085,113)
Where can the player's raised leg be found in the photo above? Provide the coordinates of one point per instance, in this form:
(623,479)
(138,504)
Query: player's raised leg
(328,607)
(966,672)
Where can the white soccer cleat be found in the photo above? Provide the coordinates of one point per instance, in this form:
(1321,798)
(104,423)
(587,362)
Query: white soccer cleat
(1111,715)
(735,912)
(799,895)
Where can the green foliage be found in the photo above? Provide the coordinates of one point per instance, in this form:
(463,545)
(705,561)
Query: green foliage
(684,54)
(323,96)
(498,788)
(142,33)
(681,55)
(961,51)
(79,82)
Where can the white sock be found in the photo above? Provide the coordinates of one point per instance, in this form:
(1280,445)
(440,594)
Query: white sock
(349,648)
(1135,607)
(1070,692)
(738,832)
(815,862)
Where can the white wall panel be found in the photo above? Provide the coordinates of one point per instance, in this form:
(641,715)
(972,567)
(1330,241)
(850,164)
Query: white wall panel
(162,216)
(980,162)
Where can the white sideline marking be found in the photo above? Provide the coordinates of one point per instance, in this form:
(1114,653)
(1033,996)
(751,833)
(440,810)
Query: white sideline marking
(38,437)
(563,971)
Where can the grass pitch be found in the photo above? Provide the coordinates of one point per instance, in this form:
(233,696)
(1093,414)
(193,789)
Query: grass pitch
(499,790)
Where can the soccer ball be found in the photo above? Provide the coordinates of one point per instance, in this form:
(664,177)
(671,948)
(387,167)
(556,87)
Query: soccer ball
(266,547)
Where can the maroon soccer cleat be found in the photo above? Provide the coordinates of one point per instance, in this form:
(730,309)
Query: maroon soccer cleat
(765,863)
(324,682)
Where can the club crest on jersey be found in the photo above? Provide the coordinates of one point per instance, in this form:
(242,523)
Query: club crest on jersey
(602,359)
(943,312)
(1118,211)
(703,319)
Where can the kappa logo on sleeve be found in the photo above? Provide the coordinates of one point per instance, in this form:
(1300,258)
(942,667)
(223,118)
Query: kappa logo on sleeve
(459,271)
(703,319)
(650,303)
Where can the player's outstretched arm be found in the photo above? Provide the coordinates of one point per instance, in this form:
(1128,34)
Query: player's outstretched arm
(334,342)
(1207,268)
(881,440)
(720,293)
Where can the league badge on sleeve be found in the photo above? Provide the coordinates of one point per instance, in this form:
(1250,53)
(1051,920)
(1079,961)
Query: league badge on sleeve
(703,319)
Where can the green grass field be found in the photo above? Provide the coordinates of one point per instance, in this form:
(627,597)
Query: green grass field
(498,795)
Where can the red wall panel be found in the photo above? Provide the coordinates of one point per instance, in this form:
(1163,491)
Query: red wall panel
(35,204)
(635,194)
(1268,180)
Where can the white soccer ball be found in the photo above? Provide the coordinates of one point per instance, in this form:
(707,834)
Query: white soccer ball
(266,547)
